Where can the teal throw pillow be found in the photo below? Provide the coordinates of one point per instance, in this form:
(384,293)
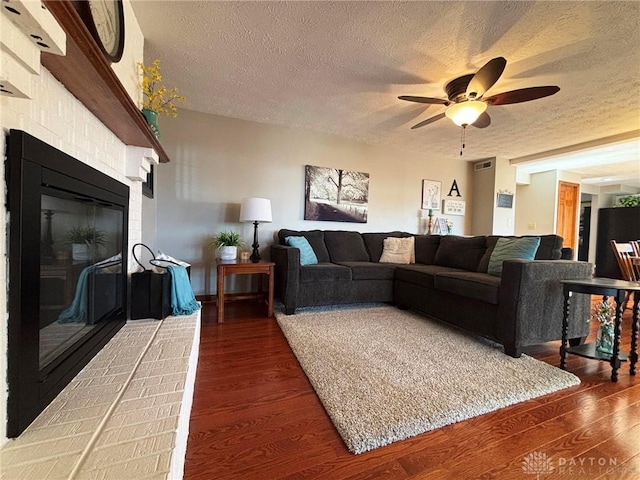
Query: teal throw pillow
(509,248)
(307,255)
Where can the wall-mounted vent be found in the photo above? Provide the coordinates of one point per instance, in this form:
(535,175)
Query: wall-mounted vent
(482,165)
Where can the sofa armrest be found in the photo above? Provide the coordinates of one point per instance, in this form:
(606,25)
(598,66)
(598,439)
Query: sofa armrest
(287,275)
(531,302)
(566,253)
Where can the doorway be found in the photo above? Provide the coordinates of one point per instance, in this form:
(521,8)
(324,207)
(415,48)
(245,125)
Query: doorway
(584,228)
(568,203)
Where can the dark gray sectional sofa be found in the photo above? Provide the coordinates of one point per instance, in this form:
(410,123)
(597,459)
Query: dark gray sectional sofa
(448,282)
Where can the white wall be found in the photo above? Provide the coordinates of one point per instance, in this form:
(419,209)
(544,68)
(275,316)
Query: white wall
(56,117)
(487,217)
(537,205)
(483,200)
(149,215)
(217,161)
(505,181)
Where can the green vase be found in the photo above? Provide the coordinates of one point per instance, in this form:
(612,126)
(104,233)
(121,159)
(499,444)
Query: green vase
(152,119)
(604,339)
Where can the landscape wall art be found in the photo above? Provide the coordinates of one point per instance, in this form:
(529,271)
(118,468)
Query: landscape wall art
(336,195)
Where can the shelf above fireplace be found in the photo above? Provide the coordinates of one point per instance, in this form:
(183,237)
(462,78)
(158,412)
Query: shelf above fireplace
(89,77)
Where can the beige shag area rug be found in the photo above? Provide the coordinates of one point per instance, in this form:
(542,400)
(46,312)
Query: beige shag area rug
(385,374)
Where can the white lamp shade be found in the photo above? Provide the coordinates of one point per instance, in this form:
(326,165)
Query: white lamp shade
(255,210)
(465,113)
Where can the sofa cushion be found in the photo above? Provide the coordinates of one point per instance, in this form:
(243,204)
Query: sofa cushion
(398,250)
(479,286)
(314,237)
(418,274)
(324,272)
(370,270)
(426,247)
(512,248)
(374,243)
(491,241)
(307,255)
(460,252)
(550,249)
(345,246)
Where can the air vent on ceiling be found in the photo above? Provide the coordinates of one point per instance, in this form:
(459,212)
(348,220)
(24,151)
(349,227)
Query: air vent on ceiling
(482,165)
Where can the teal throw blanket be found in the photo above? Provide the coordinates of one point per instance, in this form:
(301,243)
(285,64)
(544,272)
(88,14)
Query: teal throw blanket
(78,308)
(183,302)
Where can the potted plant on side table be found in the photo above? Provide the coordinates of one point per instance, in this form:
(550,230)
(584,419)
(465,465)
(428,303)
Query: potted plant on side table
(228,243)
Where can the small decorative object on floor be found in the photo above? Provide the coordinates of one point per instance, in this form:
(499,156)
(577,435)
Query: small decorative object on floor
(227,242)
(157,98)
(605,313)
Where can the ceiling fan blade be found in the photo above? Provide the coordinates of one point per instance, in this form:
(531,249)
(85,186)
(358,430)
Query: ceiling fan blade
(486,77)
(522,95)
(428,121)
(483,121)
(435,101)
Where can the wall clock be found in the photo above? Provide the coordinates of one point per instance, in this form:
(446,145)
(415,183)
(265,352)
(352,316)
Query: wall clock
(105,21)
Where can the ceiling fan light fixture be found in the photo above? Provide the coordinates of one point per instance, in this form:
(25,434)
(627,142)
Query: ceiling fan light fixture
(465,113)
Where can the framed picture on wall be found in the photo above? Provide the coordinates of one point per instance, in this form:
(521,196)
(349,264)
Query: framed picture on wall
(452,206)
(505,200)
(336,195)
(431,194)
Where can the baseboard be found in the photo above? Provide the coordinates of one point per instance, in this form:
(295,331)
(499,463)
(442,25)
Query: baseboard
(231,297)
(207,298)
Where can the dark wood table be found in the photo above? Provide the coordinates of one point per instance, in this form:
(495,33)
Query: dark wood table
(244,267)
(607,287)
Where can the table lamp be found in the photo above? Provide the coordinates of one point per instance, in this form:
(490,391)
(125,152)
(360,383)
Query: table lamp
(255,210)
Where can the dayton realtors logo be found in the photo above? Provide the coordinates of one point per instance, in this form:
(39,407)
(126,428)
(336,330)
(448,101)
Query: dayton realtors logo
(539,464)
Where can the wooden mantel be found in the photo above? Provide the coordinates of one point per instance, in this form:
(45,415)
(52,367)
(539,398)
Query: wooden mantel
(89,77)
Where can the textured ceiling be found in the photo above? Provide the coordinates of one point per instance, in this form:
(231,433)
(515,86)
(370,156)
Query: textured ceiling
(338,67)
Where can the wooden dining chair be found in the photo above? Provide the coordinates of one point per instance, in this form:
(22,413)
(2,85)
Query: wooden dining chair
(635,246)
(623,253)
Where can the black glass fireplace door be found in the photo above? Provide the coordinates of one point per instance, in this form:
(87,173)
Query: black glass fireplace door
(80,270)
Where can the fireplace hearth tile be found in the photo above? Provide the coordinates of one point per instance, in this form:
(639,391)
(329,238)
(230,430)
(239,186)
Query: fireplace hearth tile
(133,399)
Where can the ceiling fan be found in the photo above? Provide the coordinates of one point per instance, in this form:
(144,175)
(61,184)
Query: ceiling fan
(465,101)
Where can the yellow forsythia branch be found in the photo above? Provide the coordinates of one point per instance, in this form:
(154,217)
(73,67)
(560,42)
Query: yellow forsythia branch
(158,97)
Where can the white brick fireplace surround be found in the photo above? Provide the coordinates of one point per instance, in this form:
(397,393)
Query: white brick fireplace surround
(126,414)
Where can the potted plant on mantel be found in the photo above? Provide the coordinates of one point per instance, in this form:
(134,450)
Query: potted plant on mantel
(228,243)
(157,98)
(83,240)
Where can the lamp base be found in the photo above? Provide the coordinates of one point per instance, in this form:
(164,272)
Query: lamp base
(255,254)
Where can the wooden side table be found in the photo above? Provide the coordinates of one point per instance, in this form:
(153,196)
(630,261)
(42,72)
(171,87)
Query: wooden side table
(243,267)
(607,287)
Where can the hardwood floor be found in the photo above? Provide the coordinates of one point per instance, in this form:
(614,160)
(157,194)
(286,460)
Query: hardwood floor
(255,416)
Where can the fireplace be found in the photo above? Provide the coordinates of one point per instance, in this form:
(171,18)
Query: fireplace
(67,271)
